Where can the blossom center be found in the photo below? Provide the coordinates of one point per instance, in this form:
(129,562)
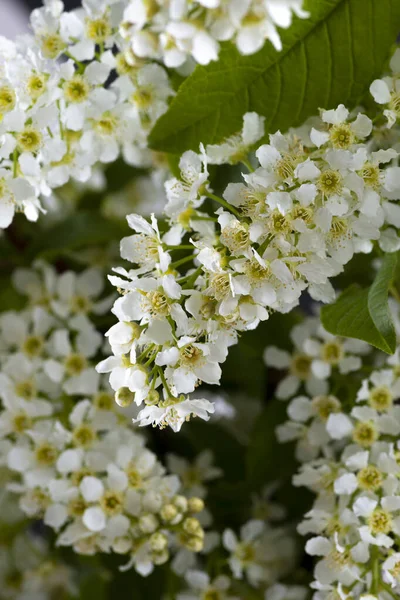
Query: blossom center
(330,182)
(36,85)
(29,140)
(112,503)
(46,454)
(381,398)
(380,521)
(75,364)
(301,366)
(84,436)
(365,434)
(25,389)
(52,45)
(98,30)
(370,478)
(325,406)
(7,98)
(33,345)
(76,90)
(332,352)
(21,422)
(342,136)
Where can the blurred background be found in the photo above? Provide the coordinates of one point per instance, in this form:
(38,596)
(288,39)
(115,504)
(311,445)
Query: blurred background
(14,15)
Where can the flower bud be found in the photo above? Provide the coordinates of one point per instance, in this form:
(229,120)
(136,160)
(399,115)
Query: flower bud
(168,512)
(152,398)
(160,558)
(193,527)
(124,397)
(158,542)
(181,503)
(193,543)
(148,523)
(195,505)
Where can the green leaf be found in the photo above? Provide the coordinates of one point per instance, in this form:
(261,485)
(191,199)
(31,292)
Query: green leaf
(326,60)
(364,313)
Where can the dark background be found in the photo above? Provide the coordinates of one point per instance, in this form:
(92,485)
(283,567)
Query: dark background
(31,4)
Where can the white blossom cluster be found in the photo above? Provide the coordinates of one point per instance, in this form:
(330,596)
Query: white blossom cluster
(174,30)
(262,553)
(317,196)
(75,462)
(316,354)
(258,558)
(87,86)
(386,91)
(69,99)
(349,449)
(28,571)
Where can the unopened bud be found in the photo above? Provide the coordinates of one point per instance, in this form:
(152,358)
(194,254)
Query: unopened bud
(124,397)
(195,505)
(158,542)
(193,543)
(168,512)
(193,527)
(160,558)
(181,503)
(148,523)
(152,398)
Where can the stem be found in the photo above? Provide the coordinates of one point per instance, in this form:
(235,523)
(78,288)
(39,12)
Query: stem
(375,571)
(60,122)
(81,66)
(144,354)
(248,165)
(204,219)
(182,261)
(388,589)
(192,278)
(15,162)
(164,381)
(261,249)
(394,292)
(180,247)
(225,204)
(150,360)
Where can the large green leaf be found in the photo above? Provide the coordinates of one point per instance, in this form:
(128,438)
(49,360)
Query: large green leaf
(363,313)
(326,60)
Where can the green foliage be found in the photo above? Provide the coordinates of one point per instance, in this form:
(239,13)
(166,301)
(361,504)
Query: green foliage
(326,60)
(84,228)
(268,460)
(262,463)
(244,369)
(93,587)
(363,313)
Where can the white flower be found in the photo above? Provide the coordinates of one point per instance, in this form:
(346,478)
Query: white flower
(188,363)
(201,585)
(236,148)
(244,551)
(144,247)
(196,474)
(175,414)
(69,363)
(390,569)
(190,190)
